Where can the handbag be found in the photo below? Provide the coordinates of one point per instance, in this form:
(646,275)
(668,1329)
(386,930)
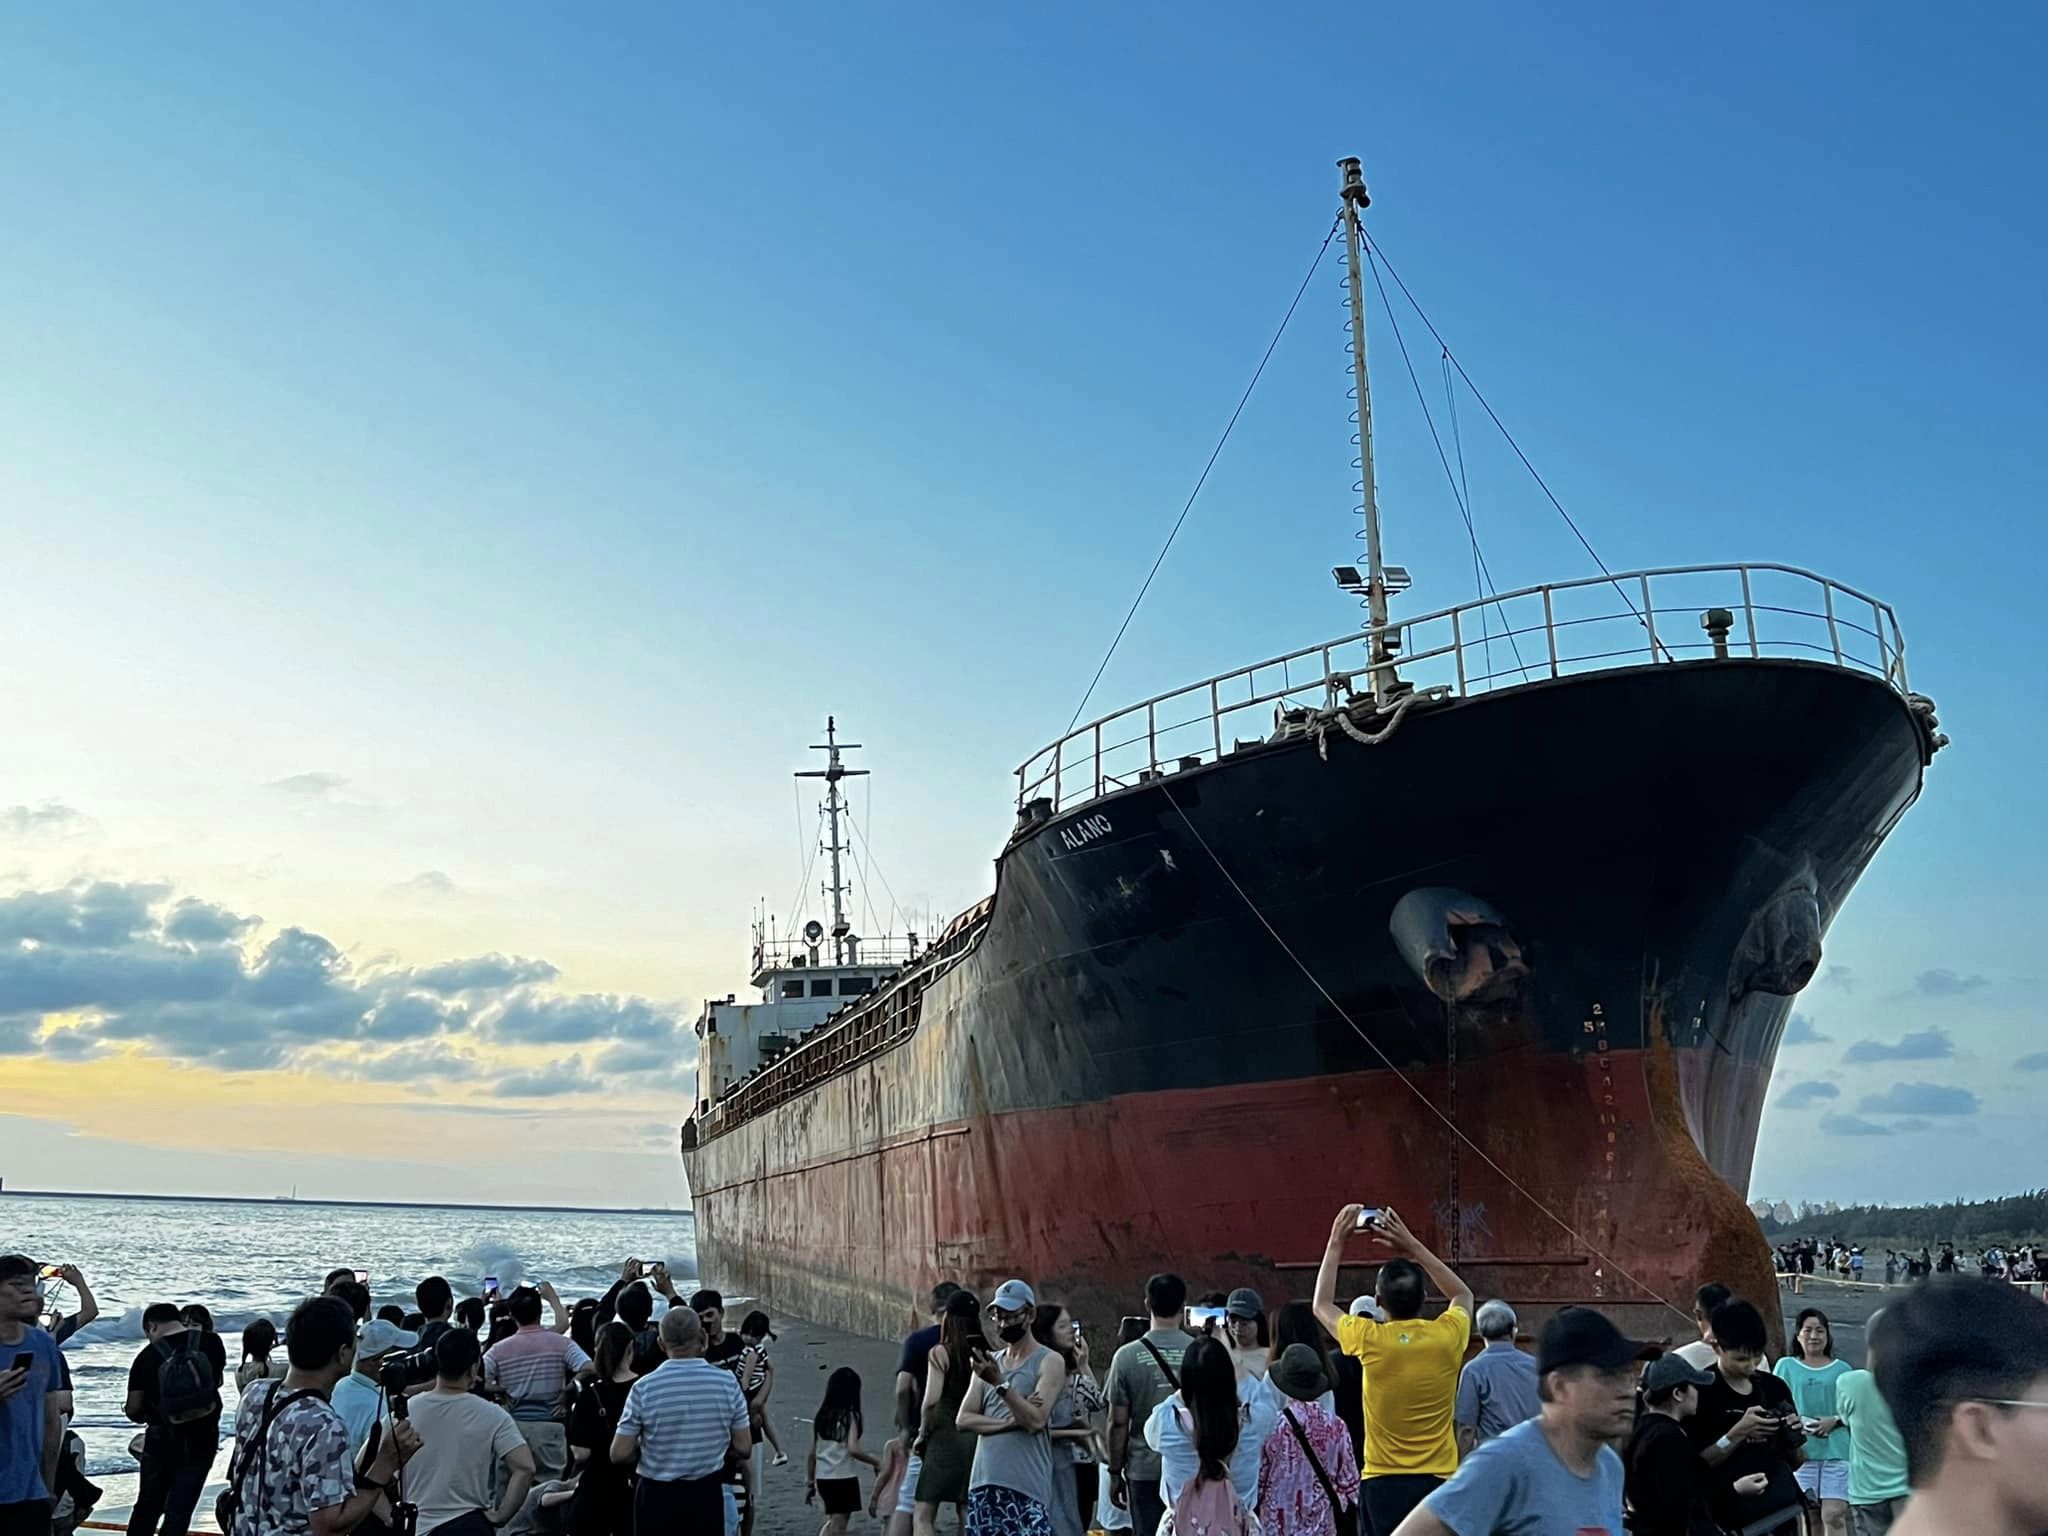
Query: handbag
(1347,1519)
(229,1502)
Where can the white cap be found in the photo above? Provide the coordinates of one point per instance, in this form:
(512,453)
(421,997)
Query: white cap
(1365,1306)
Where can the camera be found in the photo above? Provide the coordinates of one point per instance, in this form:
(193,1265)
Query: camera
(400,1372)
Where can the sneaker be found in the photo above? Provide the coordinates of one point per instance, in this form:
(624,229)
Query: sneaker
(780,1460)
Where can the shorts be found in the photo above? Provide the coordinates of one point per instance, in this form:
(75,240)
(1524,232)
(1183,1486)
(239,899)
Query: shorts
(993,1511)
(906,1491)
(1824,1480)
(839,1495)
(549,1442)
(1875,1519)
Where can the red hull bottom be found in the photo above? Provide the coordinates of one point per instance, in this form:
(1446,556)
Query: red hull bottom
(1567,1180)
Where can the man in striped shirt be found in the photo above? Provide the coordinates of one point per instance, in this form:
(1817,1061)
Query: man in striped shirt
(681,1421)
(534,1369)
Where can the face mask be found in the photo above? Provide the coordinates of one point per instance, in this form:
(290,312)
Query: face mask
(1010,1333)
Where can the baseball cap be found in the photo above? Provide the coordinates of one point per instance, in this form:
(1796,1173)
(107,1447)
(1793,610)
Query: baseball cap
(1582,1336)
(380,1338)
(1012,1296)
(1365,1306)
(1244,1302)
(1668,1371)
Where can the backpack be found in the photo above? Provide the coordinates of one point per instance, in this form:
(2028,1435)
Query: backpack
(1209,1507)
(186,1391)
(647,1350)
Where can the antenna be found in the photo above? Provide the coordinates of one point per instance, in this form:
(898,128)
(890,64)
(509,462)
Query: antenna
(1379,653)
(832,773)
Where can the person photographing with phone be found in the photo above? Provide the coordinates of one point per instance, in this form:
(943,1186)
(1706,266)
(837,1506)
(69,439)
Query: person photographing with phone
(1746,1424)
(1411,1362)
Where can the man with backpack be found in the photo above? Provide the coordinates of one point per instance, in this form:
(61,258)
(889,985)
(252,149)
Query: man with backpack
(1142,1375)
(174,1392)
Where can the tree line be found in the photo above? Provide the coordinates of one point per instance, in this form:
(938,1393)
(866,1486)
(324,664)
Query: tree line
(2021,1218)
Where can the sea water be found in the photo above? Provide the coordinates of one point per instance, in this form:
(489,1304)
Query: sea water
(245,1260)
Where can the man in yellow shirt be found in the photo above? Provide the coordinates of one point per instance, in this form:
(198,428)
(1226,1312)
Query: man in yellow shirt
(1411,1365)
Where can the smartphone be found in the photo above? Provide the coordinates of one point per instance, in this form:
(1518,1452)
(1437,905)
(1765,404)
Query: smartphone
(25,1361)
(490,1287)
(1078,1335)
(1201,1317)
(1368,1218)
(362,1277)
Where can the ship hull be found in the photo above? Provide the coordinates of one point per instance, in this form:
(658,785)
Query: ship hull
(1520,972)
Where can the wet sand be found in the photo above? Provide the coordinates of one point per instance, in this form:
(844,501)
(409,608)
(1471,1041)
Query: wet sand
(805,1354)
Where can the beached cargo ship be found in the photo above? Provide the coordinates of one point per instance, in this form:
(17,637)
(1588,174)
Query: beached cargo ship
(1494,915)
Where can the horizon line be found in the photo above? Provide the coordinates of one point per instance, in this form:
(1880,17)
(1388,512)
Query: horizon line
(387,1205)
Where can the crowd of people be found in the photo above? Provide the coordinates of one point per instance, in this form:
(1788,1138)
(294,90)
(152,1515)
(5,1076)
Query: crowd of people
(1802,1257)
(640,1412)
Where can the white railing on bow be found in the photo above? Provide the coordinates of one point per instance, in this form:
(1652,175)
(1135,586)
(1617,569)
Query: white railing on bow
(1635,618)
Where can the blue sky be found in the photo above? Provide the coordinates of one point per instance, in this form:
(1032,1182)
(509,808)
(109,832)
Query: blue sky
(453,459)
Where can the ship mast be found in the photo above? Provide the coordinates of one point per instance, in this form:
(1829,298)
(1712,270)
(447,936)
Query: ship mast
(1381,670)
(832,773)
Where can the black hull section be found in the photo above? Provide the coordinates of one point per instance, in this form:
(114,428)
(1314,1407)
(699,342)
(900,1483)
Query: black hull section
(1648,859)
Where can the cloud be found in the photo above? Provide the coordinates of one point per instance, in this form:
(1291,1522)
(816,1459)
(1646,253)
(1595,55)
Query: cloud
(179,979)
(550,1081)
(483,973)
(412,1016)
(70,1044)
(428,882)
(1924,1045)
(1801,1095)
(50,819)
(1852,1125)
(1943,982)
(316,785)
(193,921)
(416,1063)
(673,1058)
(1801,1032)
(1840,977)
(529,1018)
(2035,1062)
(1920,1099)
(83,915)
